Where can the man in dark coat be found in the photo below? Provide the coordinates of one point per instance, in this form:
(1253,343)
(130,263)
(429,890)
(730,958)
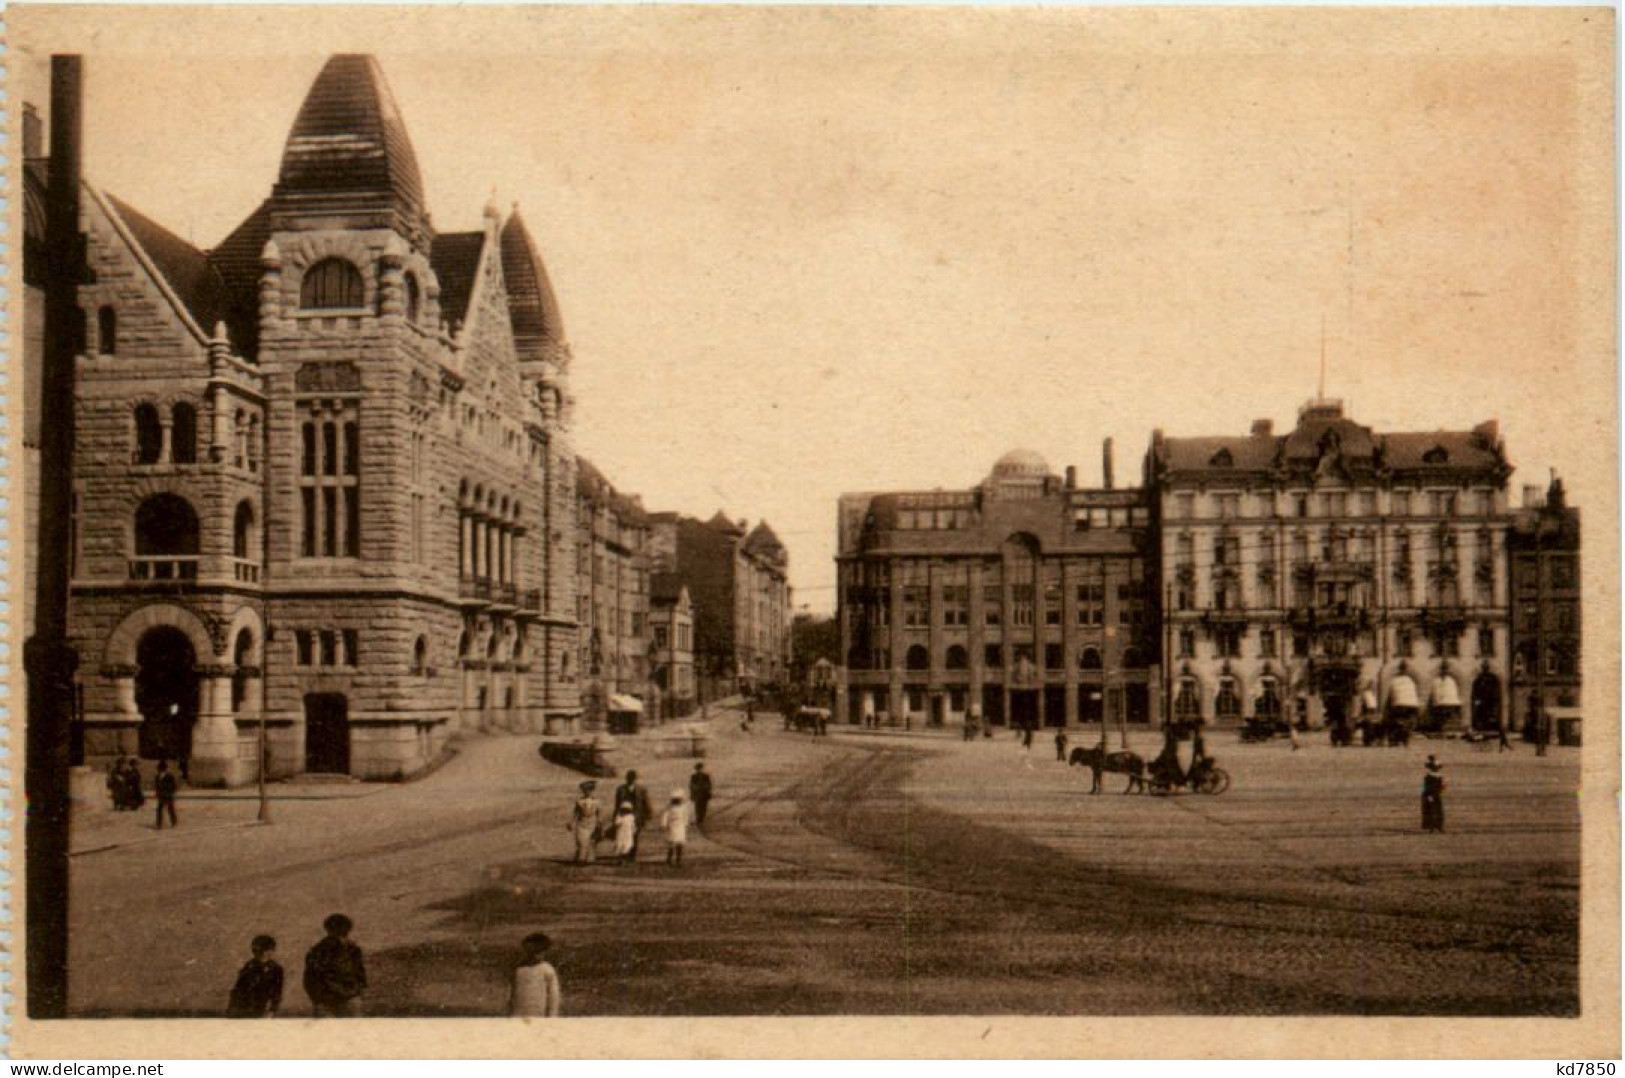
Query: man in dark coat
(164,787)
(335,976)
(699,792)
(1433,796)
(258,991)
(630,793)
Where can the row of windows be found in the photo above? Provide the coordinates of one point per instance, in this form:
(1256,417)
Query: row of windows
(1228,642)
(1442,589)
(327,647)
(957,657)
(1334,545)
(1235,505)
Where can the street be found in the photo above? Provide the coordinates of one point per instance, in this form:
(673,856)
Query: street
(873,873)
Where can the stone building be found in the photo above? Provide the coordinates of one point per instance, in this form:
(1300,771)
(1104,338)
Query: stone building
(738,579)
(612,566)
(1334,571)
(671,643)
(323,476)
(1544,545)
(1023,601)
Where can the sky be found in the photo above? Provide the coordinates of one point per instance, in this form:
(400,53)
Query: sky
(806,251)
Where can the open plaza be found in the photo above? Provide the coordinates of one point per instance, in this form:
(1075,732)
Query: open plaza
(871,873)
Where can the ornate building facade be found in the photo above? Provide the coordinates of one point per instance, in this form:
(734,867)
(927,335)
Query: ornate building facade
(1024,601)
(1335,572)
(612,567)
(323,473)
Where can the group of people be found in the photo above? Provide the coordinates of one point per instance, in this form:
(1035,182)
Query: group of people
(124,788)
(336,977)
(631,814)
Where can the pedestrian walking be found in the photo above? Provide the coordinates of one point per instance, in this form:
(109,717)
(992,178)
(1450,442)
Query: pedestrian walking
(630,793)
(626,833)
(534,990)
(1433,796)
(1027,737)
(674,822)
(335,976)
(699,792)
(164,787)
(134,799)
(115,783)
(1060,745)
(586,824)
(1505,745)
(258,991)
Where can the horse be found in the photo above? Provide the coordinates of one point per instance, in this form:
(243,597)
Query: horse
(1098,760)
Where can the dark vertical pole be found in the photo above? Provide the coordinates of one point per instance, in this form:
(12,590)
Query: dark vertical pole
(49,660)
(1542,734)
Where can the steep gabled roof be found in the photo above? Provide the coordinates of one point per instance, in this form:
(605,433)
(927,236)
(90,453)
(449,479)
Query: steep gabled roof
(455,258)
(184,268)
(538,328)
(762,540)
(237,261)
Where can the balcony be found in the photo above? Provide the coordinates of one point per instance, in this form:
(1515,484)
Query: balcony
(245,572)
(1331,616)
(474,591)
(173,567)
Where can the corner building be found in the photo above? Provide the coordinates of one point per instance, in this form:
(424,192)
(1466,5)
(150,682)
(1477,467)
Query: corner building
(1024,600)
(323,475)
(1335,572)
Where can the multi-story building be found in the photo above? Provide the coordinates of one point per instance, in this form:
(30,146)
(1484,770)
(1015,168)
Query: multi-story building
(323,479)
(1544,545)
(671,643)
(1023,601)
(738,578)
(612,568)
(1334,571)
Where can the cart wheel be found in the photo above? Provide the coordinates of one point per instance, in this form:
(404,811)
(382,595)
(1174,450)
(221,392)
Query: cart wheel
(1216,781)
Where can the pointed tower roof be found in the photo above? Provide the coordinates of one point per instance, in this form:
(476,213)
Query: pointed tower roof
(538,329)
(349,157)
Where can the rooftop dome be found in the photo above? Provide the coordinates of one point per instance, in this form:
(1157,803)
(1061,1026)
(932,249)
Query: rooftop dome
(1021,464)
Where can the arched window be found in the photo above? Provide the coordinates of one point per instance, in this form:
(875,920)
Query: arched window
(957,659)
(420,655)
(1268,704)
(1227,705)
(106,331)
(241,653)
(254,443)
(1188,701)
(1090,659)
(183,434)
(918,658)
(242,532)
(331,284)
(413,298)
(165,524)
(149,435)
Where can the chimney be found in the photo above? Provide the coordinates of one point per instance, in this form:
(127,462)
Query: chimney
(1106,463)
(1071,477)
(1532,497)
(33,131)
(1263,428)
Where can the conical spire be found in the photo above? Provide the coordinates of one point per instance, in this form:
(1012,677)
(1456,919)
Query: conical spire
(348,162)
(538,329)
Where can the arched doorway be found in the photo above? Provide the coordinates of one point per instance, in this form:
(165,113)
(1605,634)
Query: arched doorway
(1486,702)
(166,693)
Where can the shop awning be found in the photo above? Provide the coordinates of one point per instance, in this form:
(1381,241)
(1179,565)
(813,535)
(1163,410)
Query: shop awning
(1402,693)
(617,702)
(1445,693)
(1559,713)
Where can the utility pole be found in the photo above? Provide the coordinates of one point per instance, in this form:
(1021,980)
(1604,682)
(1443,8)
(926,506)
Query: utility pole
(48,658)
(1167,654)
(1541,733)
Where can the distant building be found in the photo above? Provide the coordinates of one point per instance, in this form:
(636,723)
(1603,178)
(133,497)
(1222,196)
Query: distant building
(1544,545)
(322,474)
(1023,599)
(1335,571)
(612,567)
(671,643)
(738,579)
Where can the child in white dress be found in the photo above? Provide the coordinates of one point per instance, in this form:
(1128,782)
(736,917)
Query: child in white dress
(674,822)
(626,831)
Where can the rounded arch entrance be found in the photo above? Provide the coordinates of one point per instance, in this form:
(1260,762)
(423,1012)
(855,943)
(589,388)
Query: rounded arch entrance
(166,693)
(1486,702)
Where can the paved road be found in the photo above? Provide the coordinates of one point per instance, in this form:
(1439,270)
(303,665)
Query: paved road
(885,875)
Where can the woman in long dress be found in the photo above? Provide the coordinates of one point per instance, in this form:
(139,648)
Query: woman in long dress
(585,824)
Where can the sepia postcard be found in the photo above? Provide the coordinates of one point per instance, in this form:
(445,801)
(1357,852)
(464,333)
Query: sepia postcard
(813,531)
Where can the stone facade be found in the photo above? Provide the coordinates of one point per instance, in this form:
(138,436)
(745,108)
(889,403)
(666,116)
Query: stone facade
(1544,551)
(1023,601)
(612,566)
(323,473)
(1334,573)
(671,644)
(738,579)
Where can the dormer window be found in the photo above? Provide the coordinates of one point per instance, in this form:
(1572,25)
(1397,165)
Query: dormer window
(331,284)
(1437,455)
(1222,459)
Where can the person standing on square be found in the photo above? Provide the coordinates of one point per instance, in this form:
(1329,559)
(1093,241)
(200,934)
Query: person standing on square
(164,787)
(258,991)
(534,992)
(674,822)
